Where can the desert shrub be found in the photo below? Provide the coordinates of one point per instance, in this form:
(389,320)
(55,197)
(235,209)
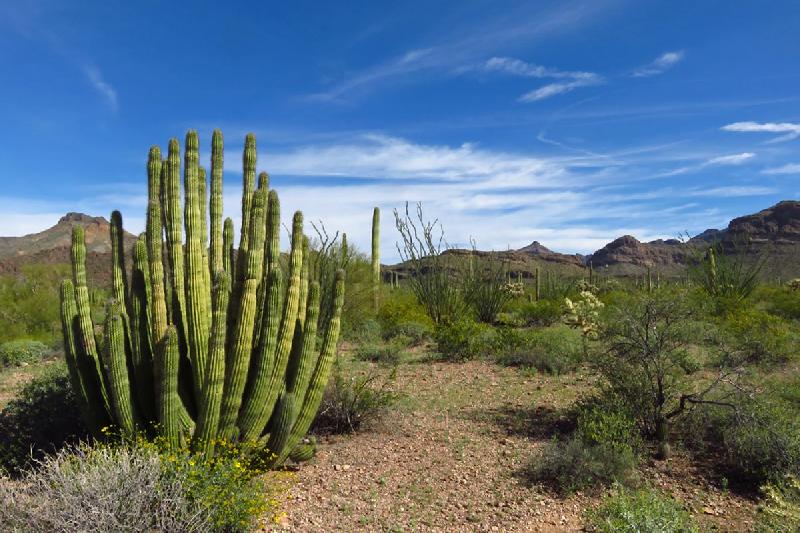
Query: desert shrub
(414,333)
(554,350)
(753,445)
(351,401)
(643,510)
(41,419)
(542,313)
(782,301)
(368,331)
(604,449)
(14,353)
(780,511)
(647,363)
(390,353)
(402,307)
(134,488)
(463,339)
(761,337)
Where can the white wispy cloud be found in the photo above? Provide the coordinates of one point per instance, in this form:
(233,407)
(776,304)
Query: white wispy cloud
(386,157)
(789,168)
(553,89)
(517,67)
(733,159)
(100,85)
(662,63)
(790,130)
(722,160)
(466,44)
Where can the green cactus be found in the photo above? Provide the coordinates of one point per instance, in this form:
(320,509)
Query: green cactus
(194,361)
(376,258)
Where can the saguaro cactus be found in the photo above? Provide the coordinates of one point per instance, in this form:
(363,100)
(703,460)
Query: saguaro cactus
(203,343)
(376,258)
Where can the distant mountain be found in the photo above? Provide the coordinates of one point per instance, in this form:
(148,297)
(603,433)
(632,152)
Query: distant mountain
(774,231)
(60,236)
(52,246)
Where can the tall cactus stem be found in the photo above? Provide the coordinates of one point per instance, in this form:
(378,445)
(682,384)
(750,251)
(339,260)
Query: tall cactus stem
(376,258)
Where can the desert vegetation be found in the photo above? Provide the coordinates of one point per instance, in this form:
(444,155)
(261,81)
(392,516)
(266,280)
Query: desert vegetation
(221,386)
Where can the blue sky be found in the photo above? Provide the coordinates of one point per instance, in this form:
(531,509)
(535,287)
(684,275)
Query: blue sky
(567,122)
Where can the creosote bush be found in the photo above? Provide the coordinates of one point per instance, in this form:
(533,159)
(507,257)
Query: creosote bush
(354,399)
(15,353)
(137,487)
(553,350)
(643,510)
(41,419)
(463,339)
(604,449)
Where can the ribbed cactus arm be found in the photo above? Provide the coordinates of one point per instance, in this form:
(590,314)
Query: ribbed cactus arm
(319,378)
(211,399)
(86,341)
(158,308)
(196,316)
(228,257)
(89,401)
(116,367)
(215,202)
(248,190)
(254,416)
(302,362)
(288,321)
(119,276)
(376,257)
(168,399)
(142,349)
(171,202)
(240,345)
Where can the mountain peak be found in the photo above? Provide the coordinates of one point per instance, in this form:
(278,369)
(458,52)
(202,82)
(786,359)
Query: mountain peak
(535,248)
(81,218)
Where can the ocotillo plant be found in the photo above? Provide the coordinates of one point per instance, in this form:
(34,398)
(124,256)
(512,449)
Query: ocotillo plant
(376,258)
(203,343)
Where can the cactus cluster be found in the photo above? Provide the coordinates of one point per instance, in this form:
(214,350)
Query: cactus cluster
(204,342)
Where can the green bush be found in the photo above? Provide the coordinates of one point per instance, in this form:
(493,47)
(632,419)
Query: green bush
(463,339)
(554,350)
(756,444)
(41,419)
(351,401)
(781,301)
(14,353)
(400,307)
(136,488)
(542,313)
(760,336)
(390,353)
(604,449)
(415,332)
(368,331)
(643,510)
(780,512)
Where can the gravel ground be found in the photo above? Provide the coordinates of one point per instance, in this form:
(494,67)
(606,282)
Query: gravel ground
(452,455)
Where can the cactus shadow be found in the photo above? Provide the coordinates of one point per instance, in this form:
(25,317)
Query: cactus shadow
(540,422)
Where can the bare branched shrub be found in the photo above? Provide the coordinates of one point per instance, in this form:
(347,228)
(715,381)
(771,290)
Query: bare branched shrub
(83,489)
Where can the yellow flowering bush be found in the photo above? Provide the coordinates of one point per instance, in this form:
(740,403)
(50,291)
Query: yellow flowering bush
(584,313)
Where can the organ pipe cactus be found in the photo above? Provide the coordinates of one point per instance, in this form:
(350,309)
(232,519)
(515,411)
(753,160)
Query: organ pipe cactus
(203,342)
(376,257)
